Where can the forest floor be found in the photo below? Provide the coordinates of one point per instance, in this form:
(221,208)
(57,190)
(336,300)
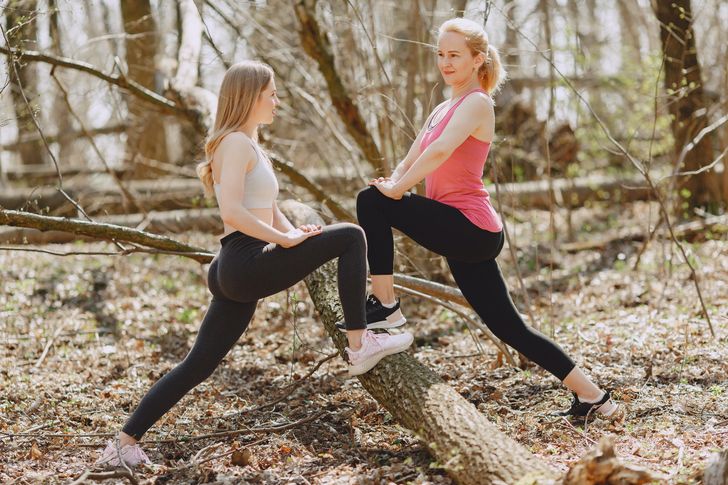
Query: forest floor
(84,337)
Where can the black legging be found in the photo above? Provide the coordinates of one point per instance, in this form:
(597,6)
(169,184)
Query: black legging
(470,253)
(245,270)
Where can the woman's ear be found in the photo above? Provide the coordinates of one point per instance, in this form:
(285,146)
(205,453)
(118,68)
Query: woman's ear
(479,60)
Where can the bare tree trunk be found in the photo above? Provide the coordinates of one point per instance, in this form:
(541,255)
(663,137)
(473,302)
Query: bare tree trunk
(61,116)
(146,136)
(413,64)
(183,87)
(629,13)
(459,7)
(22,33)
(686,102)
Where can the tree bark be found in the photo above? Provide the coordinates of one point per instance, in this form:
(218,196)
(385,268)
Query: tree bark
(317,45)
(22,32)
(183,87)
(686,102)
(717,471)
(461,439)
(146,136)
(61,116)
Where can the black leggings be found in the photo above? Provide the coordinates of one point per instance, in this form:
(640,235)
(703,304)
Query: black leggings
(245,270)
(470,253)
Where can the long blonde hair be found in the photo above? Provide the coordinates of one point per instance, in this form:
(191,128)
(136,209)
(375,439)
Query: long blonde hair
(491,73)
(240,89)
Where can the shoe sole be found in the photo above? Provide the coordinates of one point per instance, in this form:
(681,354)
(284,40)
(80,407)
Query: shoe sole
(394,320)
(368,364)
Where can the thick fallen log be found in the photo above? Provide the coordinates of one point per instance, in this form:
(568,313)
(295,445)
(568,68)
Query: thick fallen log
(462,440)
(686,230)
(105,192)
(572,192)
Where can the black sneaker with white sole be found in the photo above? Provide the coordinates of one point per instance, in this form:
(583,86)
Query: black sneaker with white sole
(581,409)
(380,316)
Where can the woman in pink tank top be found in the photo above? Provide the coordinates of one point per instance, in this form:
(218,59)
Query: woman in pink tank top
(456,218)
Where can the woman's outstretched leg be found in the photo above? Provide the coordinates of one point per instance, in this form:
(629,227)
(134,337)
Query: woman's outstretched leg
(223,324)
(485,289)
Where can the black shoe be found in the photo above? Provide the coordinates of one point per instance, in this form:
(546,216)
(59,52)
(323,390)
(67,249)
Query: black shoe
(379,316)
(582,409)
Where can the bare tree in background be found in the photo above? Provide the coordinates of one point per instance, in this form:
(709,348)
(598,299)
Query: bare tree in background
(21,28)
(686,102)
(59,110)
(146,135)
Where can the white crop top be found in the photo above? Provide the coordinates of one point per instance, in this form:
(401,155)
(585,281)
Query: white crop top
(261,186)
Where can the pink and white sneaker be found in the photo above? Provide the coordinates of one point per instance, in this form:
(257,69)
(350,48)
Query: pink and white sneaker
(374,347)
(131,454)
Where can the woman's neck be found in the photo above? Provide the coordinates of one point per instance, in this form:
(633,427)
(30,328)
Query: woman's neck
(250,129)
(466,87)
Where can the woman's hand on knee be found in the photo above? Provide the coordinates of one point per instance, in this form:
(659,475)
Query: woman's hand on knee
(387,187)
(294,237)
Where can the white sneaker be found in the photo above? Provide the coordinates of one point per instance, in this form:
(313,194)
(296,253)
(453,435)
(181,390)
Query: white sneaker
(374,347)
(131,454)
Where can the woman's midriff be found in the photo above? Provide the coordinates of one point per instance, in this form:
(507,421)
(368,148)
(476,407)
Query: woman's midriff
(265,215)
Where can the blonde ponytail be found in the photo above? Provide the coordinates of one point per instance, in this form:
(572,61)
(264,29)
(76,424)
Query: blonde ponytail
(491,74)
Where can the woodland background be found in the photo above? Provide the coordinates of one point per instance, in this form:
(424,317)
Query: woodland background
(608,167)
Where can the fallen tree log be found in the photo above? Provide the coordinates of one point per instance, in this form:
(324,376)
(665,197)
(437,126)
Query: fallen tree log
(462,440)
(572,192)
(685,230)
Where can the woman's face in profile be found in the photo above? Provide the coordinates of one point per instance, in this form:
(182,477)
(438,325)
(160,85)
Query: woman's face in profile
(265,108)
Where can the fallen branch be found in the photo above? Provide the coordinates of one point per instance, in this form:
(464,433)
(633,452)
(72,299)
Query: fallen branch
(103,231)
(101,476)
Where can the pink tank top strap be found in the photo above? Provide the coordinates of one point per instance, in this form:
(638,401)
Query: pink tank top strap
(444,121)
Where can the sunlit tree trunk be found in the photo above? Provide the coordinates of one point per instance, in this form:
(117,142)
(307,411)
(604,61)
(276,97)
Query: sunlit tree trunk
(20,25)
(686,103)
(146,137)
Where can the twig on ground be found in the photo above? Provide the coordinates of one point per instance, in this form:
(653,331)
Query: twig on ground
(580,433)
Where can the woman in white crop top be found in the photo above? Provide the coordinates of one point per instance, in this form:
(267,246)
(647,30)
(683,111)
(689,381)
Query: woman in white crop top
(261,254)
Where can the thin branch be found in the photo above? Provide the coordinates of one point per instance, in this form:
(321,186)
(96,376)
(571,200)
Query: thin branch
(298,178)
(640,168)
(131,250)
(101,476)
(121,81)
(37,125)
(124,191)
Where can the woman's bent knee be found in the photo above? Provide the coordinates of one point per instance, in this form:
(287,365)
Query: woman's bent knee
(368,197)
(352,232)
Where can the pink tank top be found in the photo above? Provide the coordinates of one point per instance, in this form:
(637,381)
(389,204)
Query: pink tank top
(458,181)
